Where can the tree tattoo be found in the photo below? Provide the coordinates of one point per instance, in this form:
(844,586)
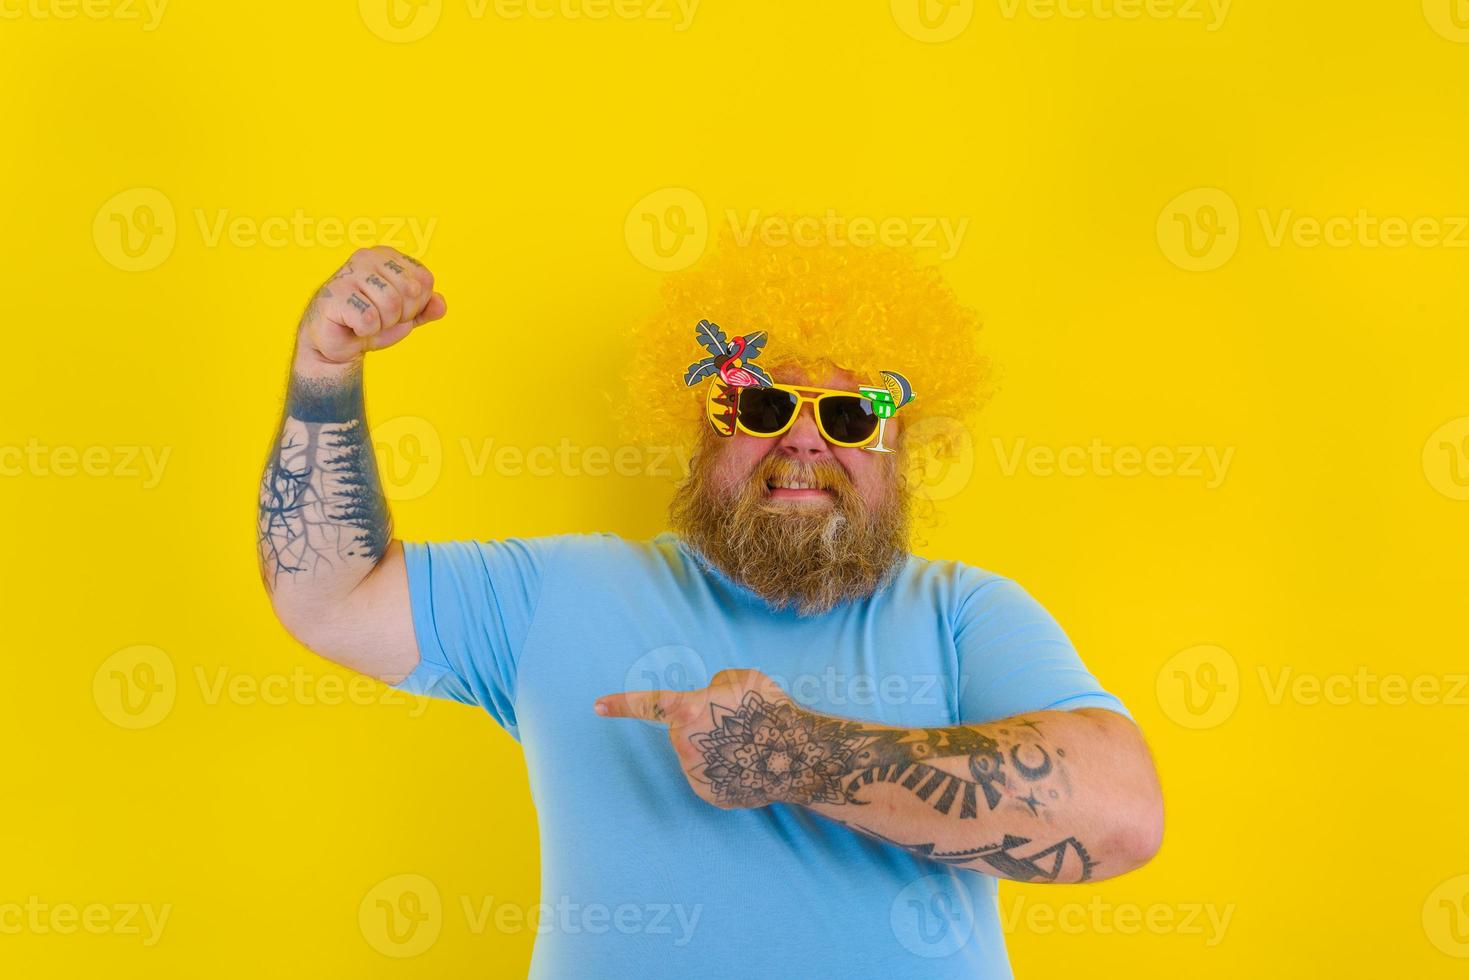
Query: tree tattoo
(320,499)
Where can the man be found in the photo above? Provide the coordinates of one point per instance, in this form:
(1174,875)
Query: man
(844,745)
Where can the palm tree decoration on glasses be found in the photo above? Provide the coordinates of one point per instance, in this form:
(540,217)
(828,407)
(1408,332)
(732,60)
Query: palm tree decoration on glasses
(729,365)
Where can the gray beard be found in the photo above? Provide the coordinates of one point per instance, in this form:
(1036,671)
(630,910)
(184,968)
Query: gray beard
(809,557)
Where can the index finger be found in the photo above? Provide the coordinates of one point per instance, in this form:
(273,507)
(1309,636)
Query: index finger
(648,705)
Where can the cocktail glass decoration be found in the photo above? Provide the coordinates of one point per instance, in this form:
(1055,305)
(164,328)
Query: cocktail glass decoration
(894,393)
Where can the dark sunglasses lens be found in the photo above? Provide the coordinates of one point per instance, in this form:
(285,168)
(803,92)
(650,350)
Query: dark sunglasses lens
(765,409)
(848,418)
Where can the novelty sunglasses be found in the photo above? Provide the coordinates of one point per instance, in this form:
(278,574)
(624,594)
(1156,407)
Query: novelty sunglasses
(844,418)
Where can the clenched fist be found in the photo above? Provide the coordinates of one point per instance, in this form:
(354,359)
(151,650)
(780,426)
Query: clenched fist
(372,302)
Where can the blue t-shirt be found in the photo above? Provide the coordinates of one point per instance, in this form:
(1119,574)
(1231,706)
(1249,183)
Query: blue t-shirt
(642,879)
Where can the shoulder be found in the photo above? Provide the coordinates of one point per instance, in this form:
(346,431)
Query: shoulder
(954,584)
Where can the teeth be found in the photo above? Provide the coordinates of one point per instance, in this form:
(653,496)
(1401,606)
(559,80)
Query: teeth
(792,485)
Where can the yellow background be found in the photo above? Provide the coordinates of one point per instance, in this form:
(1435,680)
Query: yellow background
(1332,834)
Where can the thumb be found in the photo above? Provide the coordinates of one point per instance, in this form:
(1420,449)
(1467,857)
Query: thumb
(648,705)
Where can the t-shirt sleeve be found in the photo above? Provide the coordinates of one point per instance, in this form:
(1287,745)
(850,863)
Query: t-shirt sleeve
(474,603)
(1014,657)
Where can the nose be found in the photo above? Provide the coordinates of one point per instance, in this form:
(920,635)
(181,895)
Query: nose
(803,440)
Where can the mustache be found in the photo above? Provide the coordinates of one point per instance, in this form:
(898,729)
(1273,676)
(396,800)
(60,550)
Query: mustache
(824,474)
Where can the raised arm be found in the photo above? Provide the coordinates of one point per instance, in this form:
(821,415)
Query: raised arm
(327,555)
(1052,796)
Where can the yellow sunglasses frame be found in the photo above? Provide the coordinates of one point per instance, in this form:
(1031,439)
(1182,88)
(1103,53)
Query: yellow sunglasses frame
(716,402)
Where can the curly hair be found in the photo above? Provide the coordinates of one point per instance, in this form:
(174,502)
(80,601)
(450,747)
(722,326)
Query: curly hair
(860,308)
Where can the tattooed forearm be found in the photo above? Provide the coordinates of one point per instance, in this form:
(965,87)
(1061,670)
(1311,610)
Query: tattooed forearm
(779,752)
(1016,858)
(761,751)
(321,504)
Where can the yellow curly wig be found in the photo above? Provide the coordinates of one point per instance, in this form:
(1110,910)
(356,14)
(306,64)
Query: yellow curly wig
(863,309)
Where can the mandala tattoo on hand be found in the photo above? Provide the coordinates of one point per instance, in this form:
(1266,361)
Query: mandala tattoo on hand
(761,753)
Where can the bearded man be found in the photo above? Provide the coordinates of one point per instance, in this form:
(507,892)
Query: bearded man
(838,746)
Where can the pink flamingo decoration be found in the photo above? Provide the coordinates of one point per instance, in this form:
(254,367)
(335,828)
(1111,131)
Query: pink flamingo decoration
(735,377)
